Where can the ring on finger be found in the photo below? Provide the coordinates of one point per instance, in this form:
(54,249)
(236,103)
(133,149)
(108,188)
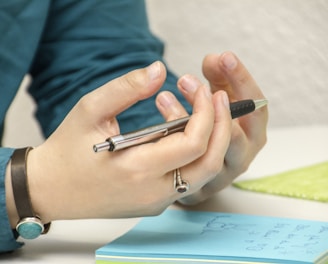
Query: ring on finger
(180,185)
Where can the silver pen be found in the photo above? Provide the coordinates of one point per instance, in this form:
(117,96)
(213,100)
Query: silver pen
(155,132)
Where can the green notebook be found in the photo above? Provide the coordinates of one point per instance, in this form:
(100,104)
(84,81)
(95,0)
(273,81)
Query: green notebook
(190,237)
(306,183)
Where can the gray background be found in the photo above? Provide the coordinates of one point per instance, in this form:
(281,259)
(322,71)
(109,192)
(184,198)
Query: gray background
(284,44)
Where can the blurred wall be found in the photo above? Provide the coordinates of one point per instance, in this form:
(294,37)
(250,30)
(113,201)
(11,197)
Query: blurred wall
(284,44)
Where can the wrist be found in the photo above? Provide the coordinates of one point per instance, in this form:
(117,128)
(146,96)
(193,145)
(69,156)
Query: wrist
(51,189)
(42,204)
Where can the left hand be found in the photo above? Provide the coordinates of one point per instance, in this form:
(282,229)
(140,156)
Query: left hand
(248,133)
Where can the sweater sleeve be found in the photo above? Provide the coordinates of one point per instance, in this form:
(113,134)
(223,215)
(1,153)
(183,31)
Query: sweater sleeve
(20,29)
(7,239)
(86,44)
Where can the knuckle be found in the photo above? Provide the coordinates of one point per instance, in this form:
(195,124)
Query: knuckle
(87,103)
(243,167)
(215,167)
(138,178)
(135,80)
(197,148)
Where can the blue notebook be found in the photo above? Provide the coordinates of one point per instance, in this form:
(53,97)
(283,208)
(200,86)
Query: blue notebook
(192,237)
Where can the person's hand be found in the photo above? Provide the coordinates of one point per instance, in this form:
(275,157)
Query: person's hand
(67,180)
(248,133)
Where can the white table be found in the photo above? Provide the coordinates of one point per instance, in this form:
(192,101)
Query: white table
(287,148)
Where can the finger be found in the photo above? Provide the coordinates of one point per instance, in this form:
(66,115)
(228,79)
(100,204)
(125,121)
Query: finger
(212,162)
(236,159)
(214,74)
(187,85)
(220,137)
(178,149)
(254,124)
(120,93)
(244,86)
(222,124)
(242,82)
(228,73)
(169,106)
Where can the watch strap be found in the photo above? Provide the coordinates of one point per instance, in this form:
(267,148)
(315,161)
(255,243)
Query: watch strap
(29,225)
(19,183)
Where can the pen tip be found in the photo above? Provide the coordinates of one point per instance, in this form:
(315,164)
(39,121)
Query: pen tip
(260,103)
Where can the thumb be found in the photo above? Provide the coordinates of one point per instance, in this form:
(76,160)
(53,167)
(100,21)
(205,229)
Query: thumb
(117,95)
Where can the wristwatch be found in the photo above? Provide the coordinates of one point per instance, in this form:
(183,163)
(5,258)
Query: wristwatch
(29,225)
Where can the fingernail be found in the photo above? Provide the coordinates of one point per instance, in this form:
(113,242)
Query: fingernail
(225,100)
(165,99)
(229,60)
(154,70)
(189,83)
(207,92)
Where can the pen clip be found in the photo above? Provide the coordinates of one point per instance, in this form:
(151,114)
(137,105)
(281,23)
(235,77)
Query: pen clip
(136,138)
(149,134)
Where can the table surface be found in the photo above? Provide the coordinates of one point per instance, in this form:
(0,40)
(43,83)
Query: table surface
(287,148)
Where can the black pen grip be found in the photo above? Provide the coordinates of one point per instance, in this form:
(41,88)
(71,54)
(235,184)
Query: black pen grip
(241,108)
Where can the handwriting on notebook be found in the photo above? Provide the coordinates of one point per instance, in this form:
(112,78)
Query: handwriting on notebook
(287,237)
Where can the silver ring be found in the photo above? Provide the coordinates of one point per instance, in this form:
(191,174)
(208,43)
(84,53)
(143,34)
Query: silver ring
(180,185)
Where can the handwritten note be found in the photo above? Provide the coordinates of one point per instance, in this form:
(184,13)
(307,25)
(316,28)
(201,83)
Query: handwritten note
(261,234)
(211,235)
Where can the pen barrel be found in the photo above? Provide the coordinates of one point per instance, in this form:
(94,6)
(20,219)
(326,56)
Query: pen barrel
(153,133)
(149,134)
(241,108)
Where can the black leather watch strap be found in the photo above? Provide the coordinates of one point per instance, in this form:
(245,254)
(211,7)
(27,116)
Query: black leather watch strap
(19,183)
(27,216)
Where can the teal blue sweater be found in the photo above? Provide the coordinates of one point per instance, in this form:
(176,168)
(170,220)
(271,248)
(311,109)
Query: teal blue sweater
(70,48)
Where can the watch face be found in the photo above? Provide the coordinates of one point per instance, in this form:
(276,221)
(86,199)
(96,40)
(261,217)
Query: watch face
(30,227)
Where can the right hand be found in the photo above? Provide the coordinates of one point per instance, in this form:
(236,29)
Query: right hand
(67,180)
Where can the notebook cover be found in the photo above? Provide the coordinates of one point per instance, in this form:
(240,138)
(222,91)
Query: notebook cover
(309,183)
